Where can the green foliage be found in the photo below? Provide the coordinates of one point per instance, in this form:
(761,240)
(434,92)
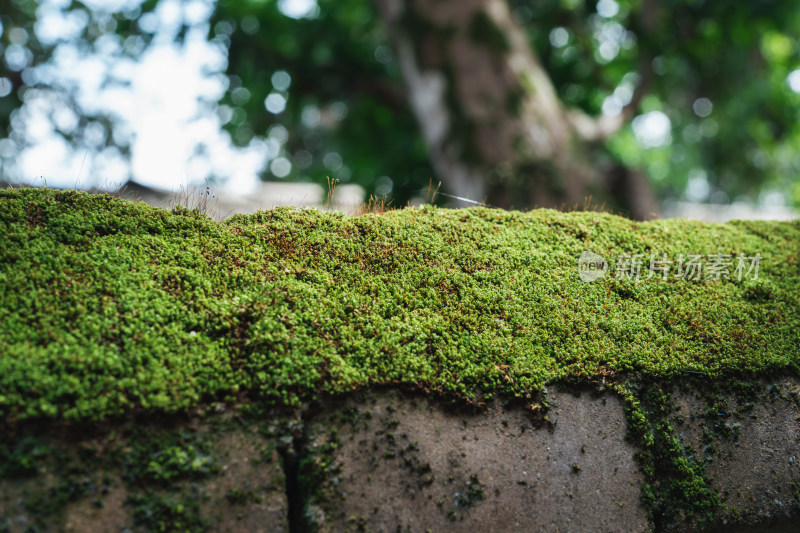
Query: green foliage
(108,306)
(341,67)
(89,25)
(736,55)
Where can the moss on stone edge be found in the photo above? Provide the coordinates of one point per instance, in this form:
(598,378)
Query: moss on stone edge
(675,482)
(108,305)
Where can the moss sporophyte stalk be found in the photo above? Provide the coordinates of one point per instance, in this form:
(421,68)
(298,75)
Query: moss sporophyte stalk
(109,306)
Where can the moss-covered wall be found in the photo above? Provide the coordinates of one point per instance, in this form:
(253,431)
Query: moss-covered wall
(107,305)
(111,309)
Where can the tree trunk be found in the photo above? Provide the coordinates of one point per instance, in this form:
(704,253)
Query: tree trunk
(494,125)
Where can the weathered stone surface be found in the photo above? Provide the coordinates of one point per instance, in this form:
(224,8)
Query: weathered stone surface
(406,464)
(249,494)
(243,490)
(385,460)
(751,448)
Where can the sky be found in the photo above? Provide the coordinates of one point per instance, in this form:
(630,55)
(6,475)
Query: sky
(164,103)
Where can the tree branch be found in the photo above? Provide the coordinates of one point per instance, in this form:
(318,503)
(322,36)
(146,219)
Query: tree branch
(592,129)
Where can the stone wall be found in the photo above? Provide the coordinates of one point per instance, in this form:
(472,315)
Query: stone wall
(385,460)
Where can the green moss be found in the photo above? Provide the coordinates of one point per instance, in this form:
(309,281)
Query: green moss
(314,469)
(166,457)
(466,497)
(473,492)
(169,475)
(675,483)
(720,423)
(108,306)
(50,502)
(23,457)
(162,513)
(242,497)
(46,478)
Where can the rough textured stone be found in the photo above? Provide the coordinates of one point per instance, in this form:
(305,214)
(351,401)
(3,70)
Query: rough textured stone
(751,448)
(245,492)
(249,494)
(389,461)
(409,465)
